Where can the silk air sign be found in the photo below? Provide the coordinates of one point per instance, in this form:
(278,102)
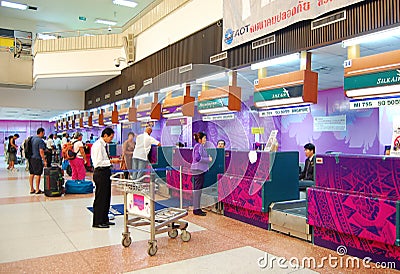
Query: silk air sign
(279,93)
(214,103)
(384,78)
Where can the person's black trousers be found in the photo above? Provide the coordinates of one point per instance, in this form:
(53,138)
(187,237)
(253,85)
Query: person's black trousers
(102,198)
(198,178)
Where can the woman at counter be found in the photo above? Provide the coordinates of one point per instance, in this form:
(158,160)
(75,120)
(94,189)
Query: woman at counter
(201,159)
(127,151)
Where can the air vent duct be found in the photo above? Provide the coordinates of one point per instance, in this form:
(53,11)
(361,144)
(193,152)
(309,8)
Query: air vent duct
(328,20)
(263,42)
(218,57)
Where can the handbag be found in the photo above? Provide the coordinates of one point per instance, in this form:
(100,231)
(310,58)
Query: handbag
(12,149)
(122,164)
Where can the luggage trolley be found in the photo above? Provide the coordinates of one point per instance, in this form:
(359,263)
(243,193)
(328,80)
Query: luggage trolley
(139,202)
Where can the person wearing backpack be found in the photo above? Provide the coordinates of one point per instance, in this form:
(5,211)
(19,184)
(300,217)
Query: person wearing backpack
(37,161)
(79,161)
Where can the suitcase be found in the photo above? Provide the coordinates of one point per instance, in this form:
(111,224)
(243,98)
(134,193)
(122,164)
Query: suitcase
(78,187)
(53,181)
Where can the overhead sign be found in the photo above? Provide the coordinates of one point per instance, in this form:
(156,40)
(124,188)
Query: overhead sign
(214,103)
(384,78)
(219,117)
(330,123)
(246,20)
(375,103)
(284,111)
(279,93)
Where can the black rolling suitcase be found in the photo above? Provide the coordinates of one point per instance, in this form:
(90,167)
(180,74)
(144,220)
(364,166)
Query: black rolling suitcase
(53,181)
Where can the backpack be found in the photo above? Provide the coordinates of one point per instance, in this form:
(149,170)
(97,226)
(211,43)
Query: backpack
(28,148)
(68,151)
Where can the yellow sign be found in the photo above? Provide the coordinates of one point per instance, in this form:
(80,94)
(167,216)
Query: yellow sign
(257,130)
(6,42)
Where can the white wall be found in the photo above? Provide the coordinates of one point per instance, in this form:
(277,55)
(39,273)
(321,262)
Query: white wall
(45,100)
(188,19)
(73,63)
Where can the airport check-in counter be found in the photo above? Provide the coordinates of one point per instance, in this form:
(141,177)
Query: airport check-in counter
(248,188)
(355,204)
(182,157)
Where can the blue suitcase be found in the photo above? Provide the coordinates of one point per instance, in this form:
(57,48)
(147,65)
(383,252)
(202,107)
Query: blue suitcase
(78,187)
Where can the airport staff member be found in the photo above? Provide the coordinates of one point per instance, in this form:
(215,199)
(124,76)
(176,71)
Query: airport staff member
(101,176)
(308,172)
(140,155)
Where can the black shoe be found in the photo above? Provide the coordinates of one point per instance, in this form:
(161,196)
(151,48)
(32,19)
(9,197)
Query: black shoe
(109,223)
(199,212)
(101,226)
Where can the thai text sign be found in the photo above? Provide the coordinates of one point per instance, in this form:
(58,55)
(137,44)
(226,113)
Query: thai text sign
(246,20)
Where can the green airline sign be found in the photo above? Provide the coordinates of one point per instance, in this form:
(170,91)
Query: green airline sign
(279,93)
(385,78)
(214,103)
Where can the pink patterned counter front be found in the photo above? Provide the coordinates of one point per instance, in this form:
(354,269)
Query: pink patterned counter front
(187,186)
(241,192)
(356,203)
(358,215)
(372,175)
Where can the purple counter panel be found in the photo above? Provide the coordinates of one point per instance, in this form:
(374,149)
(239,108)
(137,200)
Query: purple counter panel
(240,166)
(187,186)
(358,247)
(357,215)
(372,175)
(255,218)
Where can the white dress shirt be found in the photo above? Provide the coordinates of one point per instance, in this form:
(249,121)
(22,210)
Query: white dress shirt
(143,146)
(99,154)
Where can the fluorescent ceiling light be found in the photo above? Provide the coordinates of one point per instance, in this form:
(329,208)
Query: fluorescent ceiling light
(373,37)
(211,77)
(105,22)
(173,115)
(274,103)
(276,61)
(215,110)
(14,5)
(145,95)
(45,36)
(122,102)
(125,3)
(173,88)
(373,92)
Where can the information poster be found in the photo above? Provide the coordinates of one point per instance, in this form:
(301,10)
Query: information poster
(330,123)
(395,146)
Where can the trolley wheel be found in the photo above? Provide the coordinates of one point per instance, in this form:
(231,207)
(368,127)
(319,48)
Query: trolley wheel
(173,233)
(152,249)
(186,236)
(126,241)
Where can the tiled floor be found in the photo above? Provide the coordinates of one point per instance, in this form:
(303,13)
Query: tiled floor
(54,235)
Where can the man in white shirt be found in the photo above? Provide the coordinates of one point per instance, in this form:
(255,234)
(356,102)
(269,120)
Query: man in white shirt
(140,155)
(57,144)
(101,177)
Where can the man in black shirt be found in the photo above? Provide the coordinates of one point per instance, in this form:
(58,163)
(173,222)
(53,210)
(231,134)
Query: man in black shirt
(308,172)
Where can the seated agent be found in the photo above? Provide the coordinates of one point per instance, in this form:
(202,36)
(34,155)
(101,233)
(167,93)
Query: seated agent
(308,172)
(221,144)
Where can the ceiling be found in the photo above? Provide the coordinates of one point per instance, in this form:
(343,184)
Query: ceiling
(62,15)
(327,61)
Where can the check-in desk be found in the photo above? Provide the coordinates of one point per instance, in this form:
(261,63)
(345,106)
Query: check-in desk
(355,204)
(247,189)
(182,157)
